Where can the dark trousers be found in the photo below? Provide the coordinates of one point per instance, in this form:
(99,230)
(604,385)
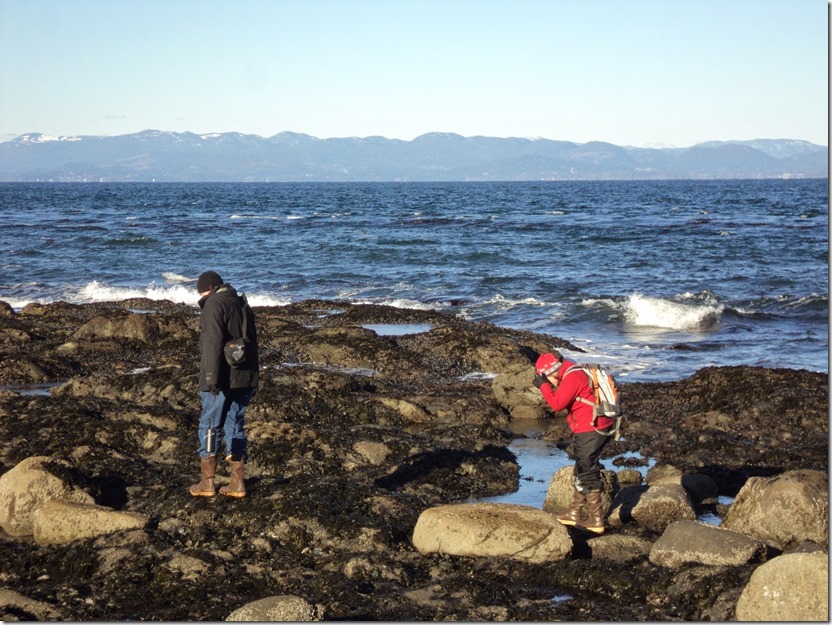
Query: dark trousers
(588,447)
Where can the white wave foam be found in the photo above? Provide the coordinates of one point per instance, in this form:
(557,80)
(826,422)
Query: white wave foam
(400,303)
(175,277)
(503,302)
(99,292)
(260,217)
(656,312)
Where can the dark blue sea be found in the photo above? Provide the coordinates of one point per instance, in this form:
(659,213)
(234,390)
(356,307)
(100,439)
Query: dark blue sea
(656,279)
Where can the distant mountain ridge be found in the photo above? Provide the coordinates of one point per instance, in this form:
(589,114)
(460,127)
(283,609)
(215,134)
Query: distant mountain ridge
(154,155)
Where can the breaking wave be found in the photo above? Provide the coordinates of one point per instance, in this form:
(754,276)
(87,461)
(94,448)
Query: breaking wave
(656,312)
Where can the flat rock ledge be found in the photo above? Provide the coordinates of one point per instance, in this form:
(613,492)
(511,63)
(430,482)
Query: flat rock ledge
(792,587)
(492,530)
(58,522)
(686,542)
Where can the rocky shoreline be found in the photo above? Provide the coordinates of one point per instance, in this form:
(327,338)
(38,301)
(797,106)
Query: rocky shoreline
(354,435)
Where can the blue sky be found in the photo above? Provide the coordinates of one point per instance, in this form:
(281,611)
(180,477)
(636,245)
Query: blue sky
(631,72)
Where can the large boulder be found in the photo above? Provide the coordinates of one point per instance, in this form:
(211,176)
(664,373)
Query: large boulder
(57,522)
(280,608)
(684,542)
(791,587)
(134,326)
(784,510)
(492,530)
(514,391)
(651,507)
(29,485)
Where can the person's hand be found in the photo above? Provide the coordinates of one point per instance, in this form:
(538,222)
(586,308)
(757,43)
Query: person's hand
(539,380)
(213,388)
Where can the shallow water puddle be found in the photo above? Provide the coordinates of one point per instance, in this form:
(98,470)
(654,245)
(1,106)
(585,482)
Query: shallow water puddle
(476,376)
(367,373)
(397,329)
(710,517)
(609,463)
(539,460)
(31,389)
(561,598)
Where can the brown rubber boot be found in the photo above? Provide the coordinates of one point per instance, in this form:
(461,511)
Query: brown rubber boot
(236,486)
(594,507)
(205,488)
(572,515)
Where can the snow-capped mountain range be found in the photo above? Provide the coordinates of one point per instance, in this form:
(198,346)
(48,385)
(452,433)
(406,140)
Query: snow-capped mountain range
(155,155)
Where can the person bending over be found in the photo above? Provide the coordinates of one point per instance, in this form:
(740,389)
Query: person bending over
(573,393)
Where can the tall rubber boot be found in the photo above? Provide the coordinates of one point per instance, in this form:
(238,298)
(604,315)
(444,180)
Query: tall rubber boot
(572,515)
(594,507)
(208,469)
(236,486)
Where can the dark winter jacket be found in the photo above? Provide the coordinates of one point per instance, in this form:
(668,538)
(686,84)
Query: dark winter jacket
(221,319)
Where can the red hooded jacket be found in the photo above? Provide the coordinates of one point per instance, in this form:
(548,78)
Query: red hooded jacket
(572,386)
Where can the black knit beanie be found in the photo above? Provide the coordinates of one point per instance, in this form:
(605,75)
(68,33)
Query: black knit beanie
(207,281)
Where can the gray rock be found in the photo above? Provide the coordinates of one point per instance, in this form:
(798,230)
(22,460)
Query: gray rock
(28,486)
(492,530)
(618,547)
(783,510)
(514,391)
(652,507)
(134,327)
(684,542)
(792,587)
(284,608)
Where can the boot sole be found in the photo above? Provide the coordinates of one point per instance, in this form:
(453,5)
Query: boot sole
(566,522)
(203,493)
(235,495)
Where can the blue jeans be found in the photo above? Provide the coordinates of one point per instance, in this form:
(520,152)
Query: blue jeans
(225,412)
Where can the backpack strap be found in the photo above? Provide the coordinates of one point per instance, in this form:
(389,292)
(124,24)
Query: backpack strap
(244,307)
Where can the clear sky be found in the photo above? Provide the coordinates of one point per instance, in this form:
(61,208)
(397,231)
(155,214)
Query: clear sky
(632,72)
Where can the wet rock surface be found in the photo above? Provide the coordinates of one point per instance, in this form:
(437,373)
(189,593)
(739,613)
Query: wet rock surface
(353,434)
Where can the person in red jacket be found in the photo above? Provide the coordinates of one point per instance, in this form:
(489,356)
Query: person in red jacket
(589,435)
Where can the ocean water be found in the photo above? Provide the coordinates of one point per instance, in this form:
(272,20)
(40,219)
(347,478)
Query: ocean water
(655,279)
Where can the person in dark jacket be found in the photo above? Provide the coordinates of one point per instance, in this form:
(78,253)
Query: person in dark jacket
(225,391)
(589,435)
